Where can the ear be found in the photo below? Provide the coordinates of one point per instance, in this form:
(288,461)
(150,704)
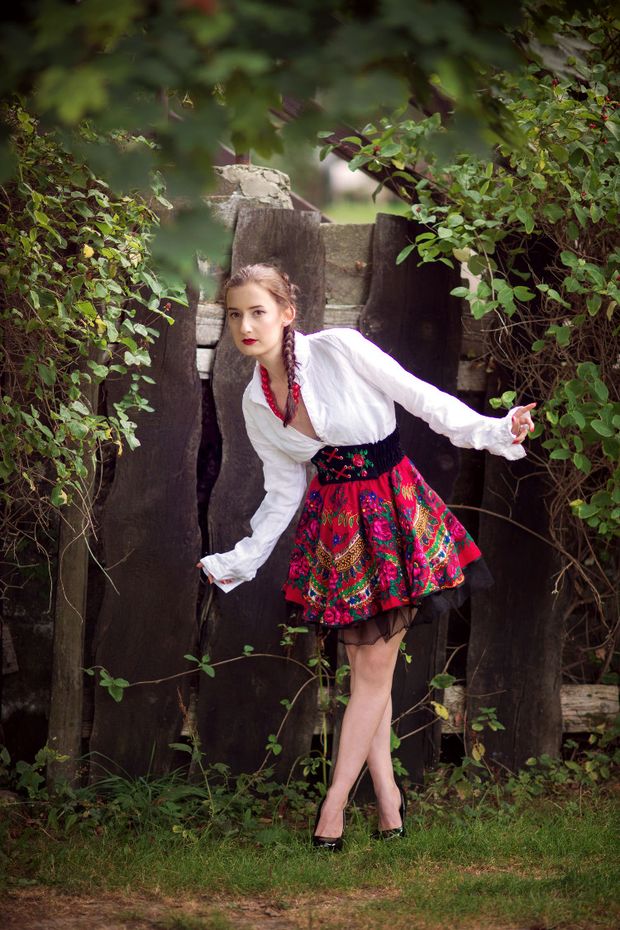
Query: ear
(289,314)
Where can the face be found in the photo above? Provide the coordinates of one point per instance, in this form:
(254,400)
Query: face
(256,320)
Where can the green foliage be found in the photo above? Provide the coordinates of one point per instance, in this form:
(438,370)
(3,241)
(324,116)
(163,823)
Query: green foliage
(76,266)
(222,805)
(224,71)
(536,229)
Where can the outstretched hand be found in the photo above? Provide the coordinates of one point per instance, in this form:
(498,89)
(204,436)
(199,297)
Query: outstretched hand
(522,422)
(211,578)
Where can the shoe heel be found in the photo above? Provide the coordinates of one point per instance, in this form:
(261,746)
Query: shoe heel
(394,831)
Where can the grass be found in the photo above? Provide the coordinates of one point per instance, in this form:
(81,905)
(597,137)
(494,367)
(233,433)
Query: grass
(361,211)
(547,862)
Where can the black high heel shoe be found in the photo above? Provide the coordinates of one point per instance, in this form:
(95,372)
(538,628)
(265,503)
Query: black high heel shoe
(334,843)
(394,831)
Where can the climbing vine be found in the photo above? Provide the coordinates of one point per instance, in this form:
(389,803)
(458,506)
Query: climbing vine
(76,266)
(535,229)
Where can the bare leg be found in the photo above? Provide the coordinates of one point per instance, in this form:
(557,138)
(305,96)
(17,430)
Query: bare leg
(374,670)
(380,766)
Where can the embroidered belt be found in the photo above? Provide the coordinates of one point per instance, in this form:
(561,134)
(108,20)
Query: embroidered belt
(336,464)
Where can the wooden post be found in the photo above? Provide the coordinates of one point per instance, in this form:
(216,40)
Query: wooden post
(151,543)
(240,707)
(65,720)
(410,315)
(517,627)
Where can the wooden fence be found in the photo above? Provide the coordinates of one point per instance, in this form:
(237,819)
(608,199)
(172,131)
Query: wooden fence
(145,614)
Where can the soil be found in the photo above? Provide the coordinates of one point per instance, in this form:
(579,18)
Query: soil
(40,908)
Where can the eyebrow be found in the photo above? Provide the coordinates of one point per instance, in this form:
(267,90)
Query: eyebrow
(256,307)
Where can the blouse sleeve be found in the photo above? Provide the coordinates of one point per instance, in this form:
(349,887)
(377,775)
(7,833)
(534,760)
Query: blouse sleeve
(285,483)
(444,413)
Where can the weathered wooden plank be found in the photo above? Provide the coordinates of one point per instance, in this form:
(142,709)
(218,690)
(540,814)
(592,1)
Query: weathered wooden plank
(582,707)
(471,378)
(411,315)
(209,323)
(517,627)
(67,681)
(151,542)
(204,362)
(342,315)
(348,248)
(240,708)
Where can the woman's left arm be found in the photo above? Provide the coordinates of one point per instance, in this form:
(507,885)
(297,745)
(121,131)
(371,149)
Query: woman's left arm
(444,413)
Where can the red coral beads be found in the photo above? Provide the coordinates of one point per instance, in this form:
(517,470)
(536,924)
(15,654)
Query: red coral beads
(264,376)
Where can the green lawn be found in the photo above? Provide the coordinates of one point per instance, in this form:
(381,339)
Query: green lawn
(355,211)
(549,862)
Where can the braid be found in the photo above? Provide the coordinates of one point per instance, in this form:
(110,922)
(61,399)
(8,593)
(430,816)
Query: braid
(288,353)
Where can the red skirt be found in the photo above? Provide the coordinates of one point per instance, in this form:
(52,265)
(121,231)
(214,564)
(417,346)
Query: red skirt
(374,538)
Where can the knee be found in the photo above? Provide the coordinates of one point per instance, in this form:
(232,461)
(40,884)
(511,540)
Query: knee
(374,666)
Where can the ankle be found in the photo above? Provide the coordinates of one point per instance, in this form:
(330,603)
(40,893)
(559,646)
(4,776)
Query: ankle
(387,790)
(336,798)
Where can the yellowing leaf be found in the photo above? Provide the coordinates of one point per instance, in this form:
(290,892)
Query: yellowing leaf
(440,710)
(88,251)
(477,751)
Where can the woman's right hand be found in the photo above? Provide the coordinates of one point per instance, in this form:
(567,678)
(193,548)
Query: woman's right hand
(211,578)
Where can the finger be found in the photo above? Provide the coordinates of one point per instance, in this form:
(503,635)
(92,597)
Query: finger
(520,411)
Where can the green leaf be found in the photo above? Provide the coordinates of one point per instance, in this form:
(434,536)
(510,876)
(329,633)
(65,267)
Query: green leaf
(601,428)
(523,293)
(100,370)
(58,496)
(402,255)
(582,462)
(476,264)
(559,153)
(569,259)
(46,373)
(526,218)
(601,390)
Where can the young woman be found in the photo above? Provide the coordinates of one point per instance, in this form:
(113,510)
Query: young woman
(375,546)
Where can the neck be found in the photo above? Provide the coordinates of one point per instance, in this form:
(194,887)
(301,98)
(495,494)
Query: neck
(274,363)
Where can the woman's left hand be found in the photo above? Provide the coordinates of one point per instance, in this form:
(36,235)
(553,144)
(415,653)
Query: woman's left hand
(522,423)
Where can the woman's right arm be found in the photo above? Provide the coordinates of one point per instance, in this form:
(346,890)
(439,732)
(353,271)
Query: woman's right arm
(285,483)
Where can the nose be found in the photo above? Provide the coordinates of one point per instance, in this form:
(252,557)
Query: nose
(246,327)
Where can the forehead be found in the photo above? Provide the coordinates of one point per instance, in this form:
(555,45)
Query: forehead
(248,295)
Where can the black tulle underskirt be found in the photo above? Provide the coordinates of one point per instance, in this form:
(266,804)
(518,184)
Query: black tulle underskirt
(388,623)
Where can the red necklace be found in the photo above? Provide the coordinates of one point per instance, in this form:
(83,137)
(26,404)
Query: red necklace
(264,376)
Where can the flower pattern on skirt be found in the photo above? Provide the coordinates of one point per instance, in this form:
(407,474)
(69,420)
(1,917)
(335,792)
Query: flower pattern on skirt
(364,546)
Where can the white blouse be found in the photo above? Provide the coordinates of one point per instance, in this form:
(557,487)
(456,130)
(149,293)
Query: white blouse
(349,386)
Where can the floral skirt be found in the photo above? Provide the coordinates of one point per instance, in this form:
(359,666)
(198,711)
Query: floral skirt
(376,549)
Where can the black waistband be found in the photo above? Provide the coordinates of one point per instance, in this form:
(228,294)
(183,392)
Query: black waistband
(354,463)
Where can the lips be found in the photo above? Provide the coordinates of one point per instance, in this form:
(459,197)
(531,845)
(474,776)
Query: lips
(248,342)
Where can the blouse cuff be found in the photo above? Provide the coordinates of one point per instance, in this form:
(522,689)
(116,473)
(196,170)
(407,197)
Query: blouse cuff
(512,449)
(215,564)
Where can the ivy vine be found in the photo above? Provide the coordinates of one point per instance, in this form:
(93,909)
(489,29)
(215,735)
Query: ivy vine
(76,266)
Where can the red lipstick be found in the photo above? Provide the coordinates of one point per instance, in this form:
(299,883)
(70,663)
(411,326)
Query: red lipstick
(248,342)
